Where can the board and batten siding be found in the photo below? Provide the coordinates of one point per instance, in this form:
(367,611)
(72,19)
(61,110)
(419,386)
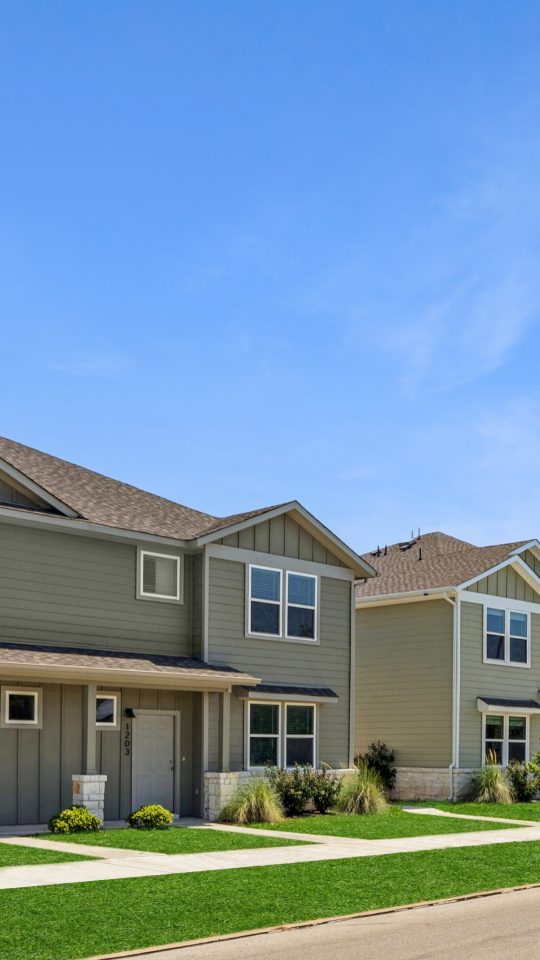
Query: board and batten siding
(76,591)
(323,664)
(404,681)
(505,583)
(36,766)
(282,537)
(489,679)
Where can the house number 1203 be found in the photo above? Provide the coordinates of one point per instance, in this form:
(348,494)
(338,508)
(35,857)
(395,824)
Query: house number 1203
(127,741)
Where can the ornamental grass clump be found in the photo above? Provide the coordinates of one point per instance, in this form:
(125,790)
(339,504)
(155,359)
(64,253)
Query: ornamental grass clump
(362,792)
(492,784)
(75,819)
(254,802)
(150,817)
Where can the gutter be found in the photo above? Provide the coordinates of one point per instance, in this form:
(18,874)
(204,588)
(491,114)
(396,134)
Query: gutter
(456,693)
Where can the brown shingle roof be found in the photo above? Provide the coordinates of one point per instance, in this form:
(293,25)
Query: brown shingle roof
(445,562)
(100,499)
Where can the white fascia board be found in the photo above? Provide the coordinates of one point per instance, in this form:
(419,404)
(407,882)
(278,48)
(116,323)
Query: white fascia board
(409,596)
(34,488)
(309,522)
(533,545)
(513,561)
(47,521)
(111,675)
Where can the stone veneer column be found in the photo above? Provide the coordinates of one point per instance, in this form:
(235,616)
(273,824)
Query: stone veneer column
(89,792)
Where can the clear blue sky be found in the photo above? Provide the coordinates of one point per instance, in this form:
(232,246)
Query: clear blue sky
(255,251)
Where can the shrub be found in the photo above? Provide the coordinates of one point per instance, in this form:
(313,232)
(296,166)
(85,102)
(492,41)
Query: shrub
(524,780)
(362,791)
(325,788)
(491,783)
(254,802)
(150,817)
(294,788)
(380,758)
(75,819)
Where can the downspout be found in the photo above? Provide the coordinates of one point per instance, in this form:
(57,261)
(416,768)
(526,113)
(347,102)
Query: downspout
(455,691)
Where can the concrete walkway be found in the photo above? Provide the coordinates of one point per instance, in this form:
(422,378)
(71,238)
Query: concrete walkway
(118,864)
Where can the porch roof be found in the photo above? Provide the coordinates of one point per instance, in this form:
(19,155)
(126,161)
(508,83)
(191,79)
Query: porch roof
(59,663)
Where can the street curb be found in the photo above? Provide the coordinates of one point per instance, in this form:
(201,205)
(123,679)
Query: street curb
(318,922)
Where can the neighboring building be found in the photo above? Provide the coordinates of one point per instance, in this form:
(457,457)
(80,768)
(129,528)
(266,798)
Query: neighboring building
(448,659)
(153,653)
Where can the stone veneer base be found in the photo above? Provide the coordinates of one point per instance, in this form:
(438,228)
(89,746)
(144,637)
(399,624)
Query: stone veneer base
(432,783)
(89,791)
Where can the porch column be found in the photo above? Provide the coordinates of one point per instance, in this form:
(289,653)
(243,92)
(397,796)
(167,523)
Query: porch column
(89,787)
(224,731)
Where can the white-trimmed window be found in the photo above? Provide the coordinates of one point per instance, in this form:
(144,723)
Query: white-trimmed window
(265,601)
(21,707)
(159,577)
(506,737)
(301,606)
(264,735)
(107,710)
(300,734)
(506,636)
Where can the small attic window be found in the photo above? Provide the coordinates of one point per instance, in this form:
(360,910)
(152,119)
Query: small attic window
(159,577)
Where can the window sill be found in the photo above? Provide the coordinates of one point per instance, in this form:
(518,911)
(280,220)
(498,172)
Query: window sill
(272,636)
(507,663)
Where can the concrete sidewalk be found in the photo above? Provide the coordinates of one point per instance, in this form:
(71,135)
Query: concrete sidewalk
(120,864)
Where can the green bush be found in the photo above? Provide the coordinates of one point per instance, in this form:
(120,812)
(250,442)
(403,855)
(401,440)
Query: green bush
(362,791)
(294,788)
(380,758)
(524,780)
(491,783)
(254,802)
(325,788)
(75,819)
(150,817)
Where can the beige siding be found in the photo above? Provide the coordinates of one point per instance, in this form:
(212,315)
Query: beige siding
(323,664)
(282,537)
(9,494)
(532,562)
(62,589)
(404,681)
(506,583)
(197,607)
(488,679)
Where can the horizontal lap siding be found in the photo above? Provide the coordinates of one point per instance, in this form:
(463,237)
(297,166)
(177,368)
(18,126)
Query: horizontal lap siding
(404,681)
(489,679)
(282,537)
(57,588)
(324,664)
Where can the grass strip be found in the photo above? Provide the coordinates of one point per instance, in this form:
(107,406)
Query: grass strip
(172,841)
(80,920)
(392,824)
(16,856)
(510,811)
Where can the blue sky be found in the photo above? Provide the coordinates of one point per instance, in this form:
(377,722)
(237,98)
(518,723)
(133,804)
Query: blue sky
(255,251)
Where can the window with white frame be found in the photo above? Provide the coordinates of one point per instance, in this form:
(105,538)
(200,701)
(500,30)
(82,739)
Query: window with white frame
(264,735)
(159,576)
(505,738)
(300,734)
(265,601)
(301,606)
(107,710)
(506,636)
(21,708)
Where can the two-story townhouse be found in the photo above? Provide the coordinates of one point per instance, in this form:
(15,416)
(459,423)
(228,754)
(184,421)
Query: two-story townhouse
(153,653)
(448,659)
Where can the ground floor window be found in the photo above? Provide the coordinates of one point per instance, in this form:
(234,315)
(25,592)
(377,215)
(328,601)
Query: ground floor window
(21,707)
(281,734)
(505,738)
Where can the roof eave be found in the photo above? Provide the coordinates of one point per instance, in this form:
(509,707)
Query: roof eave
(195,680)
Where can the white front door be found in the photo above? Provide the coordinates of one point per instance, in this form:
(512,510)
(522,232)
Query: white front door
(153,760)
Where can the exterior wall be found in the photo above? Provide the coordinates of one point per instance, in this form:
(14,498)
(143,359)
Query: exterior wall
(531,560)
(404,681)
(9,494)
(488,679)
(197,606)
(431,783)
(326,663)
(69,590)
(37,766)
(506,583)
(283,537)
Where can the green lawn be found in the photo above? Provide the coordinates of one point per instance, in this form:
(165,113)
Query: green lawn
(15,856)
(80,920)
(174,840)
(511,811)
(381,826)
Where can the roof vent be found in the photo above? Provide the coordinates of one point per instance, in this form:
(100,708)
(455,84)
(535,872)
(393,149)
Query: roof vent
(407,544)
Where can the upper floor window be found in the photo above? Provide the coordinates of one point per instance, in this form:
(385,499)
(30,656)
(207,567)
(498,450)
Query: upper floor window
(159,577)
(506,636)
(273,611)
